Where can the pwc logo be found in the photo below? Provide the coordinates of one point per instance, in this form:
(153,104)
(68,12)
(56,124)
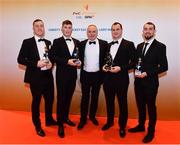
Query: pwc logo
(85,14)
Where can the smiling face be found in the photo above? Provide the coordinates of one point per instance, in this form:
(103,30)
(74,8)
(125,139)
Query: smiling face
(148,31)
(92,32)
(67,30)
(38,28)
(116,31)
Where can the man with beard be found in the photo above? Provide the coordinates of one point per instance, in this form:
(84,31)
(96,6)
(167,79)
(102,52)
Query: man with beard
(152,55)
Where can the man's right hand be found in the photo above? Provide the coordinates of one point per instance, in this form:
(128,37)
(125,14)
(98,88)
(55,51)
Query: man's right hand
(41,63)
(71,62)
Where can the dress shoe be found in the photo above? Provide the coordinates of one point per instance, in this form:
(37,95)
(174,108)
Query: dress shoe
(61,131)
(40,132)
(148,138)
(51,122)
(81,125)
(69,122)
(94,121)
(107,126)
(122,132)
(138,128)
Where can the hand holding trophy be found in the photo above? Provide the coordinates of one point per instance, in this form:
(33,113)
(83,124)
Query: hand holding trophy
(138,69)
(75,56)
(108,62)
(45,56)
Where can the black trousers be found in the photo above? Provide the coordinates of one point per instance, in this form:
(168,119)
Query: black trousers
(65,91)
(90,86)
(116,87)
(43,88)
(146,95)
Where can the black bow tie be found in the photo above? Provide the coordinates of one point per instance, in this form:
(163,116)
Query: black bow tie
(114,42)
(41,39)
(92,42)
(68,39)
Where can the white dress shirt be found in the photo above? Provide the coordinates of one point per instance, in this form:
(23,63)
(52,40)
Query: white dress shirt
(114,48)
(149,44)
(91,56)
(70,44)
(41,49)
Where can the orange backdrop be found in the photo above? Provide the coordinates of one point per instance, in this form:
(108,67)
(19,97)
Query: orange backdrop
(16,18)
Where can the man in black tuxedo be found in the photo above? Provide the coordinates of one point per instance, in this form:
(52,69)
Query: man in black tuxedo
(92,53)
(34,55)
(116,78)
(62,53)
(152,55)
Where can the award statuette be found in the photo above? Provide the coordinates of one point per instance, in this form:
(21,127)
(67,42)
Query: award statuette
(45,55)
(108,61)
(138,69)
(75,55)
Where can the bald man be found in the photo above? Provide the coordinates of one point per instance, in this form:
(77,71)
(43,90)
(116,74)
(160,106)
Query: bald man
(92,53)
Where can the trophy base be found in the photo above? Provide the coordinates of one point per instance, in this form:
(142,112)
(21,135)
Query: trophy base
(108,68)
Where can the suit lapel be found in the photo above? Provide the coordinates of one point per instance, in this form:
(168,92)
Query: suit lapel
(83,48)
(140,50)
(75,45)
(100,50)
(34,46)
(150,48)
(65,46)
(119,49)
(48,45)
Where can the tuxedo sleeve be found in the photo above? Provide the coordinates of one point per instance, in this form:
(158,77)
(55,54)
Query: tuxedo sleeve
(131,57)
(162,64)
(24,56)
(162,59)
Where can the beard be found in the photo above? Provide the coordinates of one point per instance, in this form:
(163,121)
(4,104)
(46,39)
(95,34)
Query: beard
(148,37)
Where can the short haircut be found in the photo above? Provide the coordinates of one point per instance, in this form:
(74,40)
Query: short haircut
(150,23)
(66,22)
(92,25)
(116,23)
(37,20)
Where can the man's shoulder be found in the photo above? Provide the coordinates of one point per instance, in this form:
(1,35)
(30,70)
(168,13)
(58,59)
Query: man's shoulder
(48,41)
(159,43)
(140,44)
(102,41)
(84,41)
(76,40)
(29,39)
(127,41)
(58,39)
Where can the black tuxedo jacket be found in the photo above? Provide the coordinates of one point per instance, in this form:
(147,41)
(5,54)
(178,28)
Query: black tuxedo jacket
(154,61)
(29,56)
(103,48)
(125,59)
(60,55)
